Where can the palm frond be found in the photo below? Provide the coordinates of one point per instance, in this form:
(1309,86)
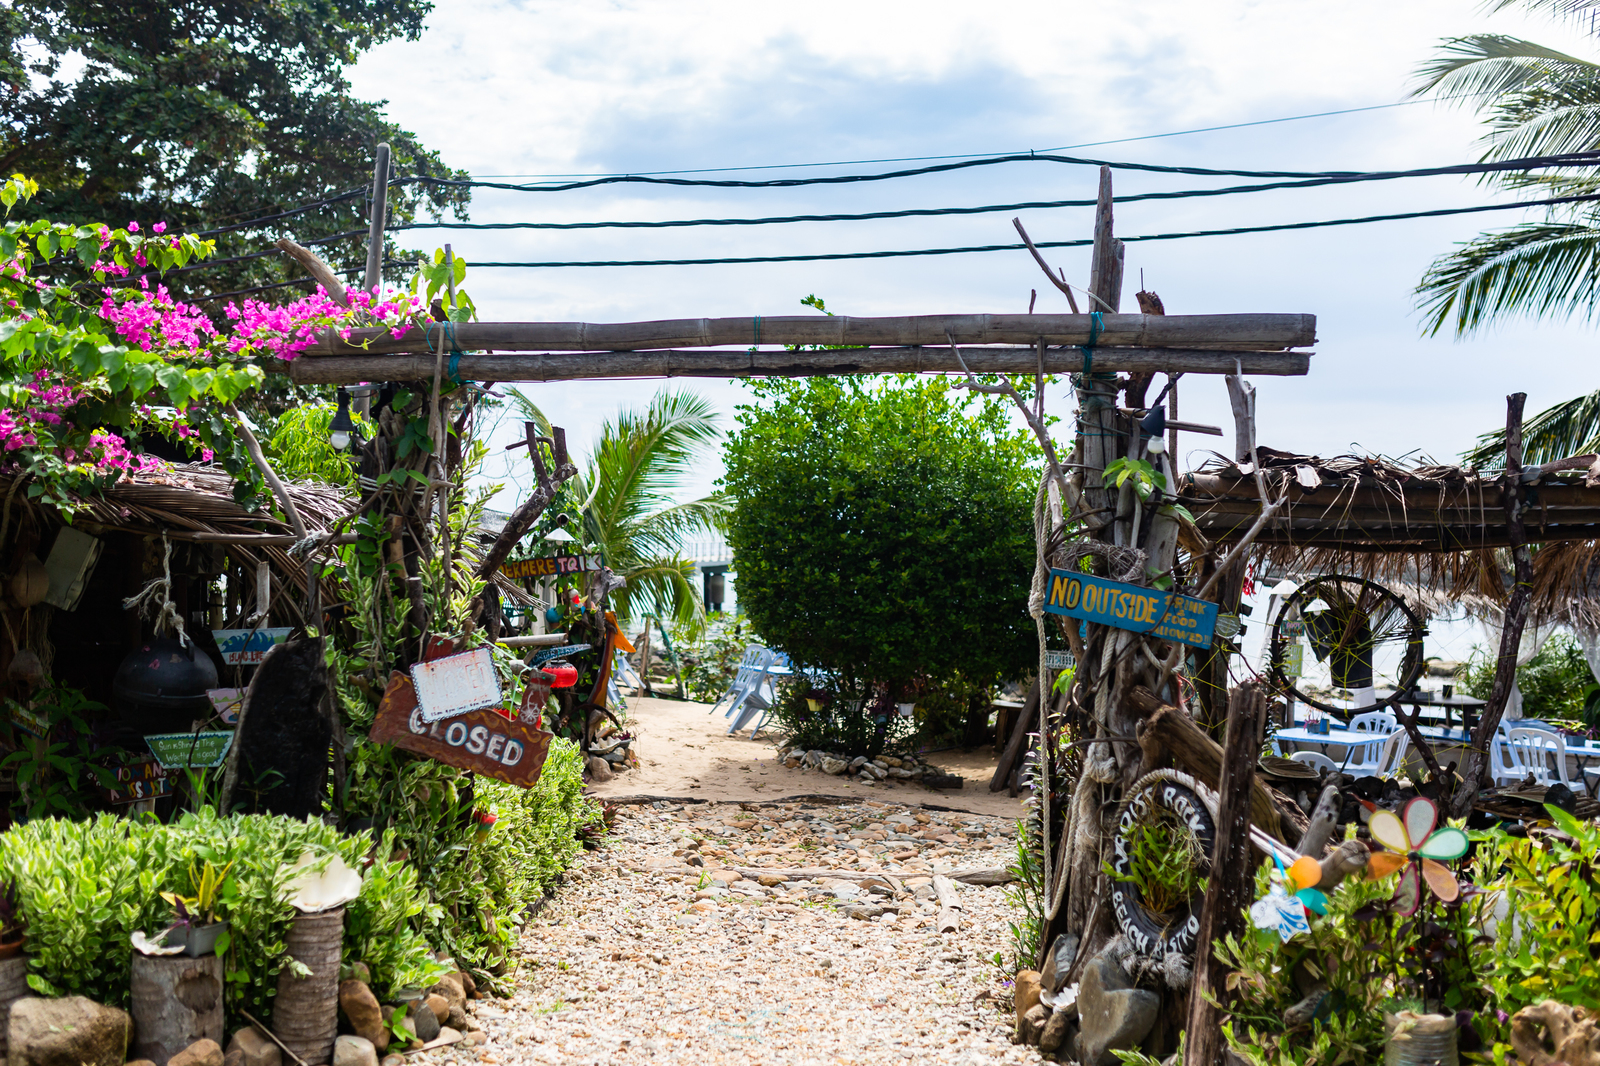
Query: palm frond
(1563,9)
(1571,427)
(528,411)
(1556,131)
(1536,269)
(1482,69)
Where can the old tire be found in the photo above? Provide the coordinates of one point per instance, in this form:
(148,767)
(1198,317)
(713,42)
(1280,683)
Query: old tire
(1147,933)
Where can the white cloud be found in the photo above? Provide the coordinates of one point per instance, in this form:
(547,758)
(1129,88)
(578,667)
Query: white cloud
(507,87)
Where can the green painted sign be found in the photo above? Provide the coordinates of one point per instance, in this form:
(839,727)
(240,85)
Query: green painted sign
(177,751)
(1163,615)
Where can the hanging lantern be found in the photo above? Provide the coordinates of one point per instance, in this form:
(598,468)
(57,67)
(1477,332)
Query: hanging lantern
(565,674)
(31,583)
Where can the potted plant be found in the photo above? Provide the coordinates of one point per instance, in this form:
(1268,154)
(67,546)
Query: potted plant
(196,927)
(13,927)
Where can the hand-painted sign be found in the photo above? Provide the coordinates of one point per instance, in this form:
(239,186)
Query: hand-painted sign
(179,750)
(456,684)
(138,781)
(544,655)
(551,566)
(246,647)
(225,703)
(1142,610)
(481,741)
(1294,660)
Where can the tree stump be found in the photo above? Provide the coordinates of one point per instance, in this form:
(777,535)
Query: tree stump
(13,986)
(305,1016)
(176,1001)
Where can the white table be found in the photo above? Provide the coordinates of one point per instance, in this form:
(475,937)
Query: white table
(1343,739)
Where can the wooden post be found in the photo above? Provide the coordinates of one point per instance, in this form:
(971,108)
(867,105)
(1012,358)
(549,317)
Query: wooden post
(1516,614)
(1232,876)
(373,280)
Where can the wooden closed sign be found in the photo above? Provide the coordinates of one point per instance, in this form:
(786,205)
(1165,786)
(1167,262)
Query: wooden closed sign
(485,742)
(1133,607)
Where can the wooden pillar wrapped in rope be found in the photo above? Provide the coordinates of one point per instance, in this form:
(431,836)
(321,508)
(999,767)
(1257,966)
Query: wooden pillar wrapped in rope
(305,1014)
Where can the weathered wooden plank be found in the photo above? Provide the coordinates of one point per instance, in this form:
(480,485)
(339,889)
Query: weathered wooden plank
(1262,332)
(573,366)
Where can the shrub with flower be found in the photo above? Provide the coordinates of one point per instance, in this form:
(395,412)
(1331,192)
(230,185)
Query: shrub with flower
(284,331)
(82,377)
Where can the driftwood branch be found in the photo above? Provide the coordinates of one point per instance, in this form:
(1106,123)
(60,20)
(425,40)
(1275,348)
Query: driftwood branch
(549,483)
(253,446)
(1515,617)
(1059,283)
(319,271)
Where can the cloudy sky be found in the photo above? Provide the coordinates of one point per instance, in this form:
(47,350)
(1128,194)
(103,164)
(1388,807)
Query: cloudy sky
(567,87)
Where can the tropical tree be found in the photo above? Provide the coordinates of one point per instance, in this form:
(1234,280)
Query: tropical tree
(627,502)
(1536,101)
(206,114)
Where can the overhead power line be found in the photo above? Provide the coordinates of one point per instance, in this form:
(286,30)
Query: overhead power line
(978,155)
(1234,231)
(1573,159)
(1587,159)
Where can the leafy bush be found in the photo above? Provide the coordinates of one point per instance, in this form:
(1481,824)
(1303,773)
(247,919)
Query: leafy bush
(884,529)
(848,723)
(710,654)
(1545,947)
(1555,684)
(87,886)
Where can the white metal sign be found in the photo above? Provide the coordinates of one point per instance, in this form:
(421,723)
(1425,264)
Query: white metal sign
(456,684)
(1058,660)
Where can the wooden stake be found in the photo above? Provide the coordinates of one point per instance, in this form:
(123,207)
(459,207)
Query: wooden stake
(319,271)
(1516,615)
(1228,890)
(373,280)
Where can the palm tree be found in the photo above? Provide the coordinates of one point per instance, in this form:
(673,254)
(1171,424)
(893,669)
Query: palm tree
(626,497)
(1537,101)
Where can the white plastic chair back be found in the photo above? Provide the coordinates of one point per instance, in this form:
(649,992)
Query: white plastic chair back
(752,668)
(1381,722)
(1533,751)
(1381,756)
(1317,759)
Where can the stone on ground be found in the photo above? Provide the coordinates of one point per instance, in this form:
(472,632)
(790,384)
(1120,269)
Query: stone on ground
(70,1031)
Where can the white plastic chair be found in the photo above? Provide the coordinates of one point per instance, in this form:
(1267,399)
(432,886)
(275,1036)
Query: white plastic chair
(1317,759)
(746,699)
(1593,774)
(1380,722)
(1379,758)
(1530,751)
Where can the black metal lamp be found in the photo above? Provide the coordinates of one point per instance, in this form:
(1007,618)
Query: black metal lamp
(342,428)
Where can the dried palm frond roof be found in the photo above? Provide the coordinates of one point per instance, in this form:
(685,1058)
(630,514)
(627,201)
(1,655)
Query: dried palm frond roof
(1354,503)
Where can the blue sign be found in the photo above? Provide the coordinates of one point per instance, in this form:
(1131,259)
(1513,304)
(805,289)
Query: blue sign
(1133,607)
(246,647)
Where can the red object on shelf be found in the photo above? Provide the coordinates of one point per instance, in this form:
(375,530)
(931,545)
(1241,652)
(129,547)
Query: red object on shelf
(565,674)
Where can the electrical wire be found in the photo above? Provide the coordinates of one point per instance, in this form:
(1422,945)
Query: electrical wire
(300,210)
(1572,159)
(978,155)
(927,212)
(275,285)
(1234,231)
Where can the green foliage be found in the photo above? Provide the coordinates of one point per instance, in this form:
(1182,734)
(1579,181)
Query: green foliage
(884,529)
(709,654)
(627,499)
(1026,895)
(852,721)
(300,449)
(206,114)
(87,886)
(1336,952)
(1165,861)
(1546,946)
(58,769)
(1555,683)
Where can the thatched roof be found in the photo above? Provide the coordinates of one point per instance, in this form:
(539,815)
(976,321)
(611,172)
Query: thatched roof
(1435,533)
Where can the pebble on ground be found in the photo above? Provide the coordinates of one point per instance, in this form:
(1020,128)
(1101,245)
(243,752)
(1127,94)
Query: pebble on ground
(651,952)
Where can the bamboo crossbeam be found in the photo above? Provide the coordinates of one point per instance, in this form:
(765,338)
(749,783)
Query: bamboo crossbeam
(1263,332)
(571,366)
(1439,539)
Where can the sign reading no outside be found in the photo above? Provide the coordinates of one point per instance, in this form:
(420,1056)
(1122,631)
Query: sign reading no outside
(1133,607)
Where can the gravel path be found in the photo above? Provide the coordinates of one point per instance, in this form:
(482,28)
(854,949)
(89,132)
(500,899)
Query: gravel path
(646,956)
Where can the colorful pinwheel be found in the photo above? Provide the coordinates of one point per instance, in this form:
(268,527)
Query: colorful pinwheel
(1292,899)
(1415,848)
